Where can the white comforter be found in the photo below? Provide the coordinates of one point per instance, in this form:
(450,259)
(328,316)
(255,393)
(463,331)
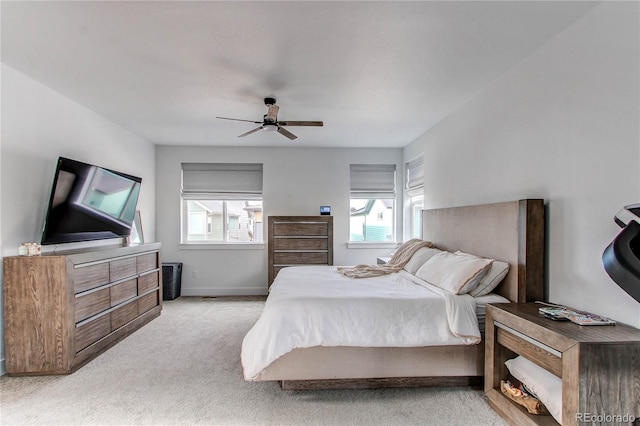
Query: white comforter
(316,306)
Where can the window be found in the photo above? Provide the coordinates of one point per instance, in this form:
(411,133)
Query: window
(417,205)
(372,201)
(415,194)
(221,203)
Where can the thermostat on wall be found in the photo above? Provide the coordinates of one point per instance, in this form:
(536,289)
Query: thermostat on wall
(325,210)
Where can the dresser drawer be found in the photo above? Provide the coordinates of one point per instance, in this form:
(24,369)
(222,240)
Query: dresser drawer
(300,258)
(147,302)
(124,314)
(122,268)
(147,282)
(92,303)
(92,331)
(124,291)
(88,277)
(300,229)
(146,262)
(300,243)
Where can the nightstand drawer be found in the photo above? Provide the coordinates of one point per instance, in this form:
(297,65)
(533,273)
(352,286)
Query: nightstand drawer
(537,352)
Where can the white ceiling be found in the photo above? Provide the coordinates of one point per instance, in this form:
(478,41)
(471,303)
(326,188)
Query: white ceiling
(379,74)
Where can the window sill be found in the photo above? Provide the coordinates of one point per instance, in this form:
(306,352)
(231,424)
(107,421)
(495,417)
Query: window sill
(222,246)
(371,245)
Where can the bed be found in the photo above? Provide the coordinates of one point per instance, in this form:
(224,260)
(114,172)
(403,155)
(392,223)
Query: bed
(512,232)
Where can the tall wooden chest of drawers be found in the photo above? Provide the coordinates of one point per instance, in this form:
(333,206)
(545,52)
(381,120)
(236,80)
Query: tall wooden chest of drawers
(63,309)
(299,240)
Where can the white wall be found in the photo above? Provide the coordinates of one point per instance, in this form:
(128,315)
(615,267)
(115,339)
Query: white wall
(562,125)
(38,125)
(296,181)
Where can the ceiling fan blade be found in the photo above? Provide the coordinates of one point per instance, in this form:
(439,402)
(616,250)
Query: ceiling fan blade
(238,119)
(301,123)
(250,131)
(286,133)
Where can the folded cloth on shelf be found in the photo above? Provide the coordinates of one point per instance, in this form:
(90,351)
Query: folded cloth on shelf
(395,264)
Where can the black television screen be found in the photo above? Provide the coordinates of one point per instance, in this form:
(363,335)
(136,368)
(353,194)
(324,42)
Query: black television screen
(88,202)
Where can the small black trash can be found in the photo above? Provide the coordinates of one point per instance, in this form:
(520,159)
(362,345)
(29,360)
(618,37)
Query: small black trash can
(171,280)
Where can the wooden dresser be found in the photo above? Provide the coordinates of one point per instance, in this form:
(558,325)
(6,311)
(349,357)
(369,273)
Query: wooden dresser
(598,365)
(61,310)
(299,240)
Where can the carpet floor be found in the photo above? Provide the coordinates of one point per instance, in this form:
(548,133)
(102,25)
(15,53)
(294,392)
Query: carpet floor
(183,368)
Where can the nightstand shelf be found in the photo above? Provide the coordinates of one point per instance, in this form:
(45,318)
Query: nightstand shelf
(598,365)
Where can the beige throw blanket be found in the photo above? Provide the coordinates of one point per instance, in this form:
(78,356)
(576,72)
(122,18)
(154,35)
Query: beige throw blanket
(395,264)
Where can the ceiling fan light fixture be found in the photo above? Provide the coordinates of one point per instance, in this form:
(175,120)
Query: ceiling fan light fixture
(269,127)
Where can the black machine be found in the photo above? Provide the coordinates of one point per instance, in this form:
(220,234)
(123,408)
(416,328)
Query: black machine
(621,259)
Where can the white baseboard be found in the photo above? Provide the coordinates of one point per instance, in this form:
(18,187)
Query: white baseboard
(224,291)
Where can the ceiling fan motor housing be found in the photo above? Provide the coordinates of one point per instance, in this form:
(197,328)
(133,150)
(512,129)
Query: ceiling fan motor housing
(269,101)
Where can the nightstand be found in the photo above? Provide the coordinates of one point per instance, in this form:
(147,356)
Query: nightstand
(599,365)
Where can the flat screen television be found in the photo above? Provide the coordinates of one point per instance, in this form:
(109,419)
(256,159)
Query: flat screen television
(88,203)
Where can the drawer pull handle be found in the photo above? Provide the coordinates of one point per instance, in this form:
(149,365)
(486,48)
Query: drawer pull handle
(142,274)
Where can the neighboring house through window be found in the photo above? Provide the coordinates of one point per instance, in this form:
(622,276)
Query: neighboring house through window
(221,203)
(372,201)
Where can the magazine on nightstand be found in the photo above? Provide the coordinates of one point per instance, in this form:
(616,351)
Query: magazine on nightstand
(563,313)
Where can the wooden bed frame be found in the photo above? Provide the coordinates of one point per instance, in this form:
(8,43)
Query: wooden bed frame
(512,232)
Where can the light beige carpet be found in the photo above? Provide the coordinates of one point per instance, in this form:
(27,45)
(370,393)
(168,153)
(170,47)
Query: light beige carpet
(184,368)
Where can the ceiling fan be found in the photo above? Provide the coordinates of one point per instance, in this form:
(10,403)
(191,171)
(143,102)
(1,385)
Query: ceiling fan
(270,121)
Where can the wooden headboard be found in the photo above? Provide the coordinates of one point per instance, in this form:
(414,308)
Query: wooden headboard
(512,232)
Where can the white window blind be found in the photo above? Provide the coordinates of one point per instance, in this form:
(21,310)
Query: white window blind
(415,177)
(371,181)
(221,180)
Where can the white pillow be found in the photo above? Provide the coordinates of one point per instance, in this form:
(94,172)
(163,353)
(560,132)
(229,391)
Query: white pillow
(454,273)
(492,278)
(546,386)
(419,258)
